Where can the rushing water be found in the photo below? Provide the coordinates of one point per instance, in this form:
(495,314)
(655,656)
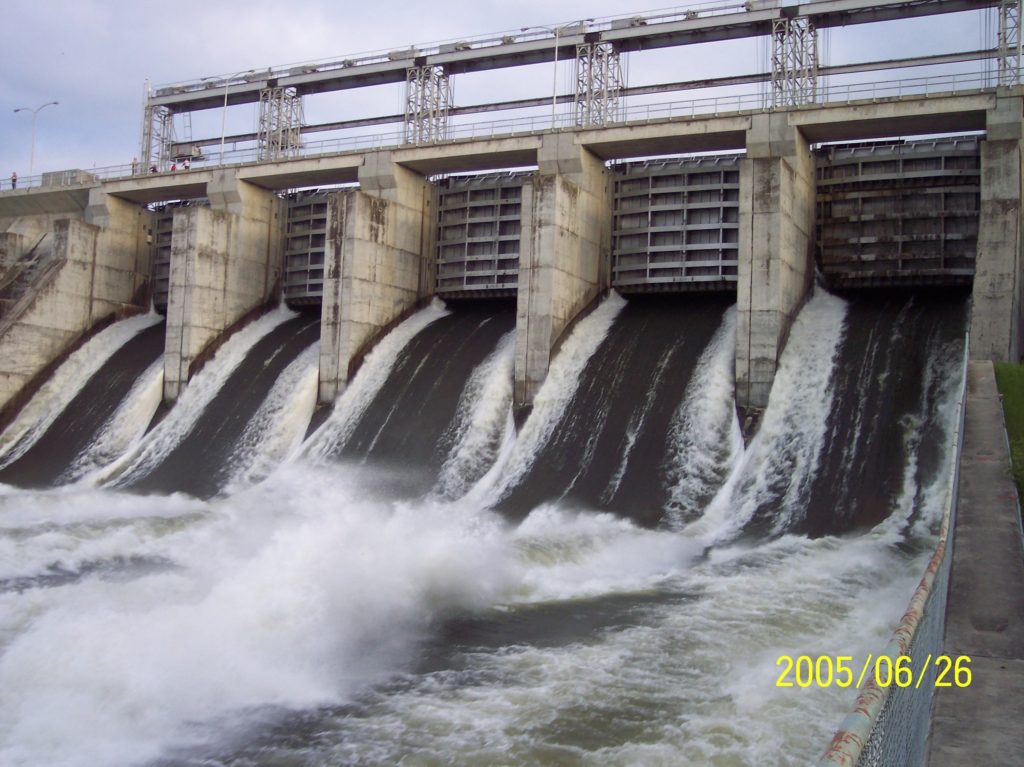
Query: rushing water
(326,606)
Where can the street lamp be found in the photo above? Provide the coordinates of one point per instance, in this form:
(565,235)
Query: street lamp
(224,110)
(556,31)
(32,156)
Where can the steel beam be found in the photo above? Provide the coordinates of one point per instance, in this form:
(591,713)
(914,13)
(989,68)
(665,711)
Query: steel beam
(626,34)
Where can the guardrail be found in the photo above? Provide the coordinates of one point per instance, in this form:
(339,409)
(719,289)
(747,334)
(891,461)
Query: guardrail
(889,725)
(918,87)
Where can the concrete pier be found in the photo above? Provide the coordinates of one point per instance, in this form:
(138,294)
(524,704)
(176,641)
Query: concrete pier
(225,265)
(996,314)
(564,254)
(81,281)
(776,249)
(379,264)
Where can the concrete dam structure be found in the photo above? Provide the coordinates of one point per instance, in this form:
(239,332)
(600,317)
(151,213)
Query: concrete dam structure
(533,442)
(871,214)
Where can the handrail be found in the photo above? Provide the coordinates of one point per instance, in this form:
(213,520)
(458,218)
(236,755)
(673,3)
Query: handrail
(934,86)
(854,734)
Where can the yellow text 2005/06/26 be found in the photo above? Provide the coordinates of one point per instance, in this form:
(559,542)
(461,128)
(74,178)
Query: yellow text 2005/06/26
(882,670)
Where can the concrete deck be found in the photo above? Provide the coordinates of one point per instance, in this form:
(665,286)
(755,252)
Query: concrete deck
(982,724)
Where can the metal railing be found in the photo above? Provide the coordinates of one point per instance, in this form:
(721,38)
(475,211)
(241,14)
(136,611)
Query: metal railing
(889,725)
(736,104)
(540,32)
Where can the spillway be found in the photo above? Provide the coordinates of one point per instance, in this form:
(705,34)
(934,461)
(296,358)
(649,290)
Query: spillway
(200,463)
(411,422)
(49,453)
(373,601)
(608,448)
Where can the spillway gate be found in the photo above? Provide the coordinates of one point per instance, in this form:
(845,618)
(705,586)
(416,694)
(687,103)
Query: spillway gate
(478,232)
(898,212)
(676,224)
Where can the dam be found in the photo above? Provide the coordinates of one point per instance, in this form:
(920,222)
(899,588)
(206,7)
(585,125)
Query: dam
(536,441)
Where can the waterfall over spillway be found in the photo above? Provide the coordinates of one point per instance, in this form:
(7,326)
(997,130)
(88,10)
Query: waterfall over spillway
(606,449)
(370,599)
(194,449)
(71,411)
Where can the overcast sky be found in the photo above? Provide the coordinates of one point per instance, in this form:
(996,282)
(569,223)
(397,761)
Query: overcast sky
(94,56)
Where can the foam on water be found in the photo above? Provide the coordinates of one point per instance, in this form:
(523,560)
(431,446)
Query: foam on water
(776,471)
(58,391)
(705,441)
(478,431)
(293,594)
(193,401)
(357,396)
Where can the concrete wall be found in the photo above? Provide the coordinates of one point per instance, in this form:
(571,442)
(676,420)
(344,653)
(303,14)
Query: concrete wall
(12,247)
(776,250)
(123,254)
(78,288)
(87,272)
(996,305)
(564,254)
(225,265)
(379,264)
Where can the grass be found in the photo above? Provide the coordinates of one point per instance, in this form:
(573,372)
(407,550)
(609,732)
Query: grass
(1010,379)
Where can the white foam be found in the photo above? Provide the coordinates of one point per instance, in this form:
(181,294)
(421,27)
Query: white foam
(189,407)
(360,392)
(705,441)
(63,386)
(779,465)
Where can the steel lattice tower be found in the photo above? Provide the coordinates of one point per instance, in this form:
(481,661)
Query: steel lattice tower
(794,62)
(280,123)
(1009,42)
(599,84)
(428,97)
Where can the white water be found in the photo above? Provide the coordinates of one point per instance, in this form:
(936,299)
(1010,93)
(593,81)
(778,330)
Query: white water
(55,395)
(124,429)
(189,407)
(314,589)
(555,394)
(778,466)
(481,422)
(704,440)
(279,426)
(357,396)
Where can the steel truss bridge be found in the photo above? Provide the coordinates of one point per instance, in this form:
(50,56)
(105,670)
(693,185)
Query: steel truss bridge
(596,48)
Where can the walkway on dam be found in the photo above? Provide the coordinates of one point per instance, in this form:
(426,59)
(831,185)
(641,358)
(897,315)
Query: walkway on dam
(982,724)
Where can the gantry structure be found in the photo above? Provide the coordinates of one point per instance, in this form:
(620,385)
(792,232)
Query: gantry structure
(595,47)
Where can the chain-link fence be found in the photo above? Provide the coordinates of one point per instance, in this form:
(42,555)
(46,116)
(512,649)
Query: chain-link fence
(888,726)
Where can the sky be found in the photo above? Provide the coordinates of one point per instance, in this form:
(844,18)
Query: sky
(95,56)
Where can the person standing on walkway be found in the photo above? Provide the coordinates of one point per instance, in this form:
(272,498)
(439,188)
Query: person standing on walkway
(14,179)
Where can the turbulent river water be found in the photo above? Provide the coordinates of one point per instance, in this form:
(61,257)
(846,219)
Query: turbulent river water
(419,582)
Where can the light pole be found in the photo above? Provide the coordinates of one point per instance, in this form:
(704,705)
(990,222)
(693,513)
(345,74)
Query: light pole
(224,110)
(32,156)
(556,31)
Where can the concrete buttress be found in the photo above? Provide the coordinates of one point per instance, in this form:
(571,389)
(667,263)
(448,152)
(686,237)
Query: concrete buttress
(776,250)
(996,312)
(379,264)
(225,265)
(564,254)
